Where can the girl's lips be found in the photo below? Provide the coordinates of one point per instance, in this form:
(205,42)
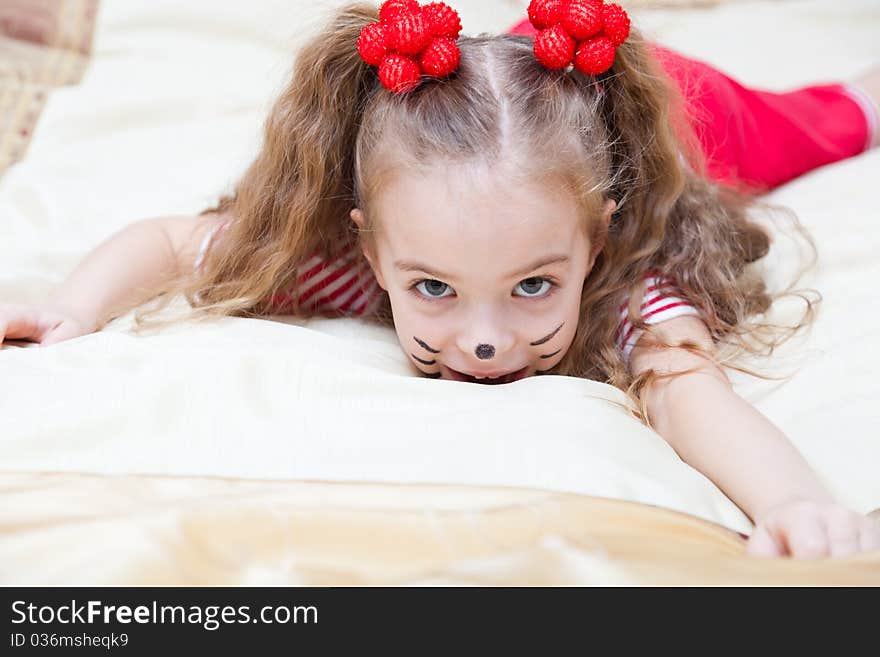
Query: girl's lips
(507,378)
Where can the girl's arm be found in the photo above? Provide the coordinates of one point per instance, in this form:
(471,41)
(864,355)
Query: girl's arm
(717,432)
(131,266)
(128,268)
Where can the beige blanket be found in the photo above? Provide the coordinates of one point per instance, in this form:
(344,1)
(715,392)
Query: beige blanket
(135,530)
(43,44)
(165,118)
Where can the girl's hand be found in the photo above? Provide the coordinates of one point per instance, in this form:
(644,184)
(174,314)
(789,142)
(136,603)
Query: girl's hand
(812,530)
(46,324)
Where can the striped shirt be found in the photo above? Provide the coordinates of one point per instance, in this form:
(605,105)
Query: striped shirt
(347,286)
(661,300)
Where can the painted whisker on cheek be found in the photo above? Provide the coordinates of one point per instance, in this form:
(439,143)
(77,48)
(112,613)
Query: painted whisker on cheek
(542,341)
(425,346)
(546,337)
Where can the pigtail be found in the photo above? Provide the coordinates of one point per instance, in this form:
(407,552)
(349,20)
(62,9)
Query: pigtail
(295,198)
(672,218)
(293,202)
(644,142)
(636,105)
(670,213)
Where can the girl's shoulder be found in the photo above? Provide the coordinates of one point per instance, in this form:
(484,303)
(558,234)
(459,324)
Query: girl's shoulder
(656,299)
(219,222)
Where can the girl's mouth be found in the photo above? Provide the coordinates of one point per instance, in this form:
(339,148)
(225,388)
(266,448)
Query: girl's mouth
(507,378)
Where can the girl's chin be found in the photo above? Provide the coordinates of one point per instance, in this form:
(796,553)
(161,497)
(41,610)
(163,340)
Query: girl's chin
(449,373)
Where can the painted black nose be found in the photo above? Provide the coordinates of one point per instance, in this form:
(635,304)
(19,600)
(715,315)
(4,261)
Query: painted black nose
(484,351)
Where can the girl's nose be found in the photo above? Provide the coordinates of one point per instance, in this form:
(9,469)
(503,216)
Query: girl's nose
(484,351)
(486,335)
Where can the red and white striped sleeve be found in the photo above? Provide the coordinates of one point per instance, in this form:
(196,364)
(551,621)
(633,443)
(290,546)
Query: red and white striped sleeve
(207,240)
(343,285)
(662,300)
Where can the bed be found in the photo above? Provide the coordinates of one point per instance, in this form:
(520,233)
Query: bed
(293,451)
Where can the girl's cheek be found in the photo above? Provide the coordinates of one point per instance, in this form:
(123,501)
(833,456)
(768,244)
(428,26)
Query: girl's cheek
(411,323)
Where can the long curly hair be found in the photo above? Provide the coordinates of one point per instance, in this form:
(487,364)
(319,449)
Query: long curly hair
(335,133)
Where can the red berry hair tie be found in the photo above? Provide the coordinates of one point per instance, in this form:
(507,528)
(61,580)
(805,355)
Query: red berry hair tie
(585,33)
(410,40)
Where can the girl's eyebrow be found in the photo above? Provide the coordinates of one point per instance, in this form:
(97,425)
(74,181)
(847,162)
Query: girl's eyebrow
(412,265)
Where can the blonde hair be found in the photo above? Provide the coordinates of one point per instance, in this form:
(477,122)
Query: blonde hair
(335,133)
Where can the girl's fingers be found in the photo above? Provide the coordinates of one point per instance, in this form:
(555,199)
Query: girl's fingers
(762,544)
(38,324)
(814,533)
(843,534)
(869,536)
(18,326)
(807,537)
(64,331)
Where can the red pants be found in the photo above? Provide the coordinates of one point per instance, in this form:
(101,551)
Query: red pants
(763,139)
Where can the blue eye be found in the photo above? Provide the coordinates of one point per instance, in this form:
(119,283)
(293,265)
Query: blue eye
(431,289)
(531,282)
(432,286)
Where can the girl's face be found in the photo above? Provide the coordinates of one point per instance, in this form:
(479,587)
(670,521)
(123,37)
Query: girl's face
(484,278)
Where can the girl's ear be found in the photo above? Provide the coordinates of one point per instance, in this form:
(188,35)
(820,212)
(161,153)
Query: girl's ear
(607,211)
(601,232)
(358,218)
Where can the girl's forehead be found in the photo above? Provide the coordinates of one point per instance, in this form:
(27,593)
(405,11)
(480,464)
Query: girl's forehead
(473,203)
(476,224)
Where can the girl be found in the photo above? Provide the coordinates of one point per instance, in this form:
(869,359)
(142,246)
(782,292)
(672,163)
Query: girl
(517,205)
